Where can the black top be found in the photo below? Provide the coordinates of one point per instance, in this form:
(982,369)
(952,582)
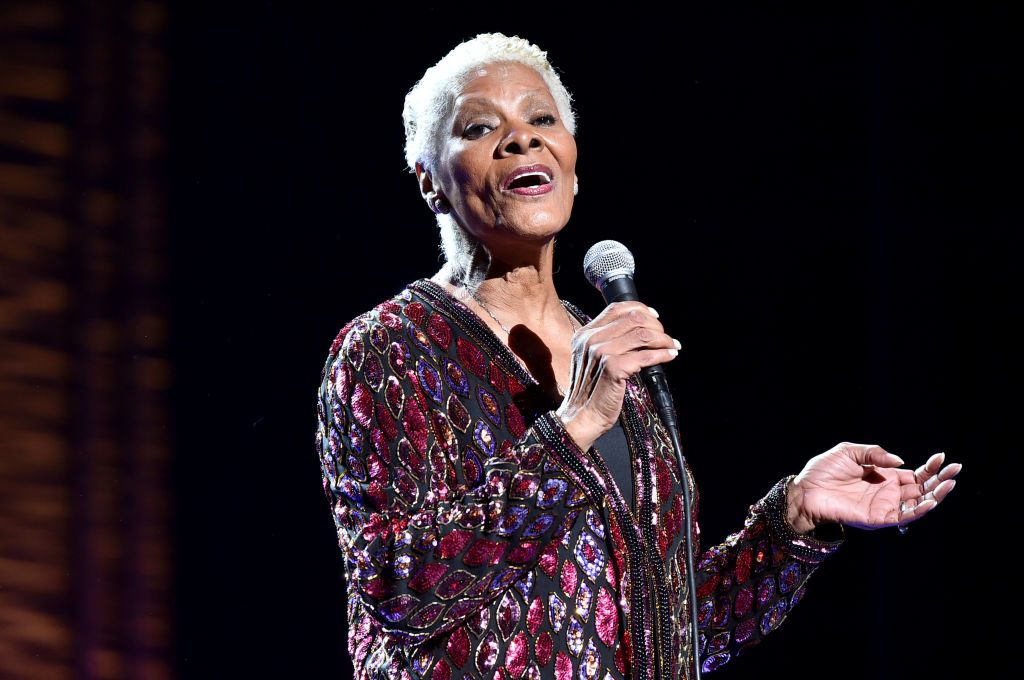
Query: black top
(614,450)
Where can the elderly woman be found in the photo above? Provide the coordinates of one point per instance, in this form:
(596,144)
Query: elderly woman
(507,500)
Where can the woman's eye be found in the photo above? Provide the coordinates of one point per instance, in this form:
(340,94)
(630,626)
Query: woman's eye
(475,130)
(546,119)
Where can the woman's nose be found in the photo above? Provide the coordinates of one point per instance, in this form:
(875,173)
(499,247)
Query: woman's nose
(521,140)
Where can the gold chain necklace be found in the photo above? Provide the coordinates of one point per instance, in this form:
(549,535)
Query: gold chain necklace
(572,328)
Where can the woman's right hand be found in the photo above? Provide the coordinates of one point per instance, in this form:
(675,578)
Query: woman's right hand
(623,339)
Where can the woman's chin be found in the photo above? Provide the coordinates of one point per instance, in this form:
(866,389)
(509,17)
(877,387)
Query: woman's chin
(536,224)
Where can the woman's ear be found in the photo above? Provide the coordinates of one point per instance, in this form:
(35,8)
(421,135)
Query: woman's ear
(431,194)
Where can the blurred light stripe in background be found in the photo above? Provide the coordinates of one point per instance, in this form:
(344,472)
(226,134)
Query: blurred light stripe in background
(85,512)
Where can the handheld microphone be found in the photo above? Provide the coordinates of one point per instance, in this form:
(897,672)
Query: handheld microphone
(609,266)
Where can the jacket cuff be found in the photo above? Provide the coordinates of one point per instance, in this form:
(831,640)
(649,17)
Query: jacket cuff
(551,431)
(807,548)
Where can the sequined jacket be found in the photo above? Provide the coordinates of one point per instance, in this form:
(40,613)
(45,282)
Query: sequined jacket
(480,542)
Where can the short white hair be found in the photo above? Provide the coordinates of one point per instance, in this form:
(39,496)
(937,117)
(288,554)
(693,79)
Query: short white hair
(431,101)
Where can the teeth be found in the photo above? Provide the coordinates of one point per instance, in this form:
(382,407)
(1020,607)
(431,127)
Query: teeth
(536,173)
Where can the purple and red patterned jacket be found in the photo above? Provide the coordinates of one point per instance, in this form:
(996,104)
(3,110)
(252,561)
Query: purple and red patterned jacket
(480,542)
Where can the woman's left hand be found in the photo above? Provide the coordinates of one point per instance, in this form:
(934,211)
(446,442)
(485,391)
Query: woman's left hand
(864,486)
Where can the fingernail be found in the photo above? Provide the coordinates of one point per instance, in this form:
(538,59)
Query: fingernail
(654,312)
(673,352)
(898,458)
(678,344)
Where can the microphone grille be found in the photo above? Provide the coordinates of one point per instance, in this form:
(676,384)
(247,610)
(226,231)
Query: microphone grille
(605,260)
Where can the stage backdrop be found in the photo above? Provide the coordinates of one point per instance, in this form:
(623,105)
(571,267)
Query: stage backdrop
(820,207)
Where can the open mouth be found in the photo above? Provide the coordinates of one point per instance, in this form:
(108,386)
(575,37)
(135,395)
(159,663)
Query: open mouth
(529,180)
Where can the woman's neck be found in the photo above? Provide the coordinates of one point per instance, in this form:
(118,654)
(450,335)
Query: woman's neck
(518,302)
(520,291)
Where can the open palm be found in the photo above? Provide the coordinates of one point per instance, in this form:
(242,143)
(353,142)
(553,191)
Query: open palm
(863,486)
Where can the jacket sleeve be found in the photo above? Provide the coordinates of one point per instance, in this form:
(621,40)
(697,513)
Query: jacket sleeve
(431,527)
(747,585)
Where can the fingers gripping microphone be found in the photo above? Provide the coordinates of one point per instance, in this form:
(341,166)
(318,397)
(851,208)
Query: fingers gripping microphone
(609,267)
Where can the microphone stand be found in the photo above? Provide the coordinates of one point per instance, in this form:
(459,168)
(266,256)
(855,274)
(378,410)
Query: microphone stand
(619,288)
(608,266)
(657,386)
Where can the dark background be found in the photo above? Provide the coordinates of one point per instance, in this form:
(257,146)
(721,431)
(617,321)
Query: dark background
(822,206)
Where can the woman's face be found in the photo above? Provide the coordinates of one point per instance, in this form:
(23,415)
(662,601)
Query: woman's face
(508,164)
